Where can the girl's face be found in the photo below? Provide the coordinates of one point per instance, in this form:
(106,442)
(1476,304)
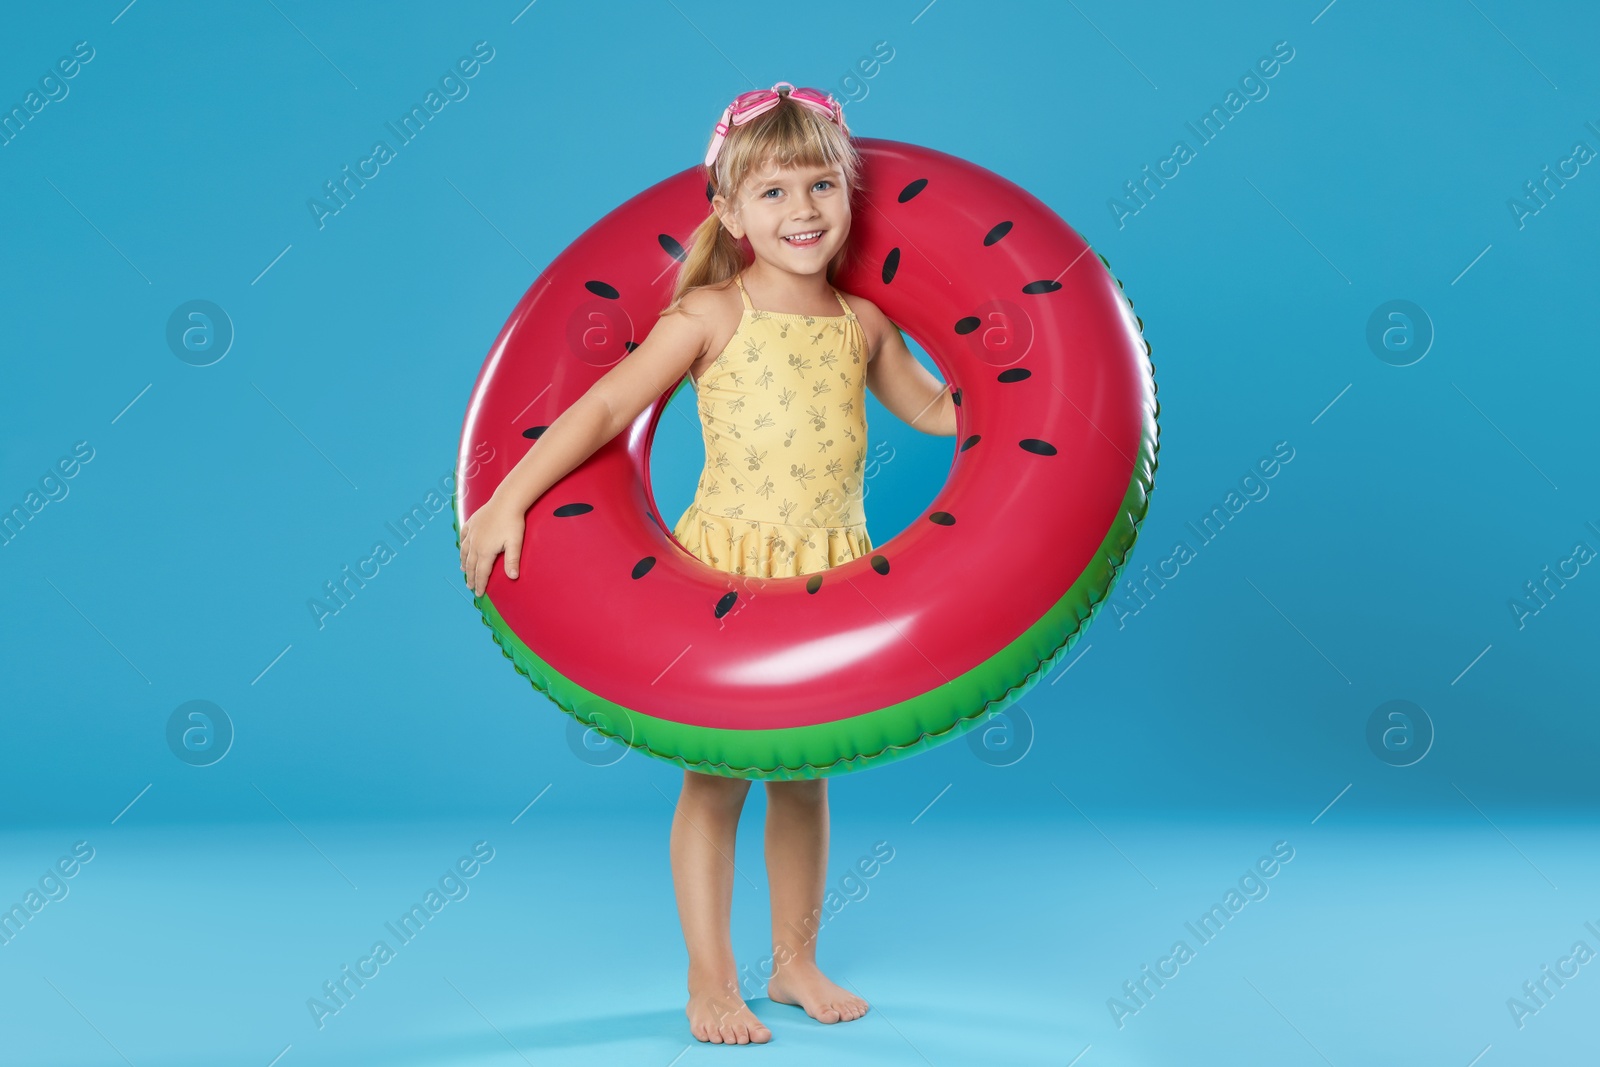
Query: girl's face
(778,204)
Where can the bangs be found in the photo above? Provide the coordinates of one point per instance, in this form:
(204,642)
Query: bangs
(787,136)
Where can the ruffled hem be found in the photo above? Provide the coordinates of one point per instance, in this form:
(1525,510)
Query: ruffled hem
(768,549)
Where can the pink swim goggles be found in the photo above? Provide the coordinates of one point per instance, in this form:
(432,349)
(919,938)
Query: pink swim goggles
(747,106)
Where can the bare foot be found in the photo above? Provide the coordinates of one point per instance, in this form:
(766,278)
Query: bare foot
(803,985)
(719,1015)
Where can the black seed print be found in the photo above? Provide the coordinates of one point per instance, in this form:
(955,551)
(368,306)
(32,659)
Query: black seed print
(913,189)
(880,564)
(1037,447)
(813,583)
(943,518)
(968,324)
(642,568)
(533,433)
(602,289)
(1046,286)
(671,247)
(566,511)
(891,264)
(630,345)
(999,231)
(955,398)
(725,604)
(711,192)
(1015,374)
(969,442)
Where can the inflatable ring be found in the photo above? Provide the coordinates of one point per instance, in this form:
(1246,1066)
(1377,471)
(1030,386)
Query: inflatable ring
(944,625)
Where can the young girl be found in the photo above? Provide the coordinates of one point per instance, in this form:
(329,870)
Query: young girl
(779,360)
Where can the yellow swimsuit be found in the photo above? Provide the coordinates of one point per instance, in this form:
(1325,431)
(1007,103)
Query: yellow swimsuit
(783,413)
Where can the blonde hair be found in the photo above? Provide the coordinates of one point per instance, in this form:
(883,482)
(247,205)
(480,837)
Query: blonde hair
(788,135)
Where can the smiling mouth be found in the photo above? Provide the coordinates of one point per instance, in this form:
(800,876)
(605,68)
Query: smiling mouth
(803,240)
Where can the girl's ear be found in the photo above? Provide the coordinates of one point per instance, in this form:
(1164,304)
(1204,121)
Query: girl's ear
(730,221)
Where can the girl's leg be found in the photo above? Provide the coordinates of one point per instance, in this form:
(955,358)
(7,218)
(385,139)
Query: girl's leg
(703,831)
(797,868)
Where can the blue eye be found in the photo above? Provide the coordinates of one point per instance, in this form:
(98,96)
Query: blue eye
(819,181)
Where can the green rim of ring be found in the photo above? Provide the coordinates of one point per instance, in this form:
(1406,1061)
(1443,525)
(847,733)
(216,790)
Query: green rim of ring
(877,737)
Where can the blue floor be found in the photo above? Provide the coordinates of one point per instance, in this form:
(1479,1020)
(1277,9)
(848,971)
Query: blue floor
(978,942)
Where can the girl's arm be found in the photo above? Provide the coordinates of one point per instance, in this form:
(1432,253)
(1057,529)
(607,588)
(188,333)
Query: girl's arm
(603,411)
(905,387)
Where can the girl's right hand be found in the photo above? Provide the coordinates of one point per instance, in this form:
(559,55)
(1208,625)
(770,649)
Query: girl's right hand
(492,529)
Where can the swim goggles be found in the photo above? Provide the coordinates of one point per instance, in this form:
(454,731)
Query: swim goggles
(747,106)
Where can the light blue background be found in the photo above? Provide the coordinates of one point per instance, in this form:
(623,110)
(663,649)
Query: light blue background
(1380,566)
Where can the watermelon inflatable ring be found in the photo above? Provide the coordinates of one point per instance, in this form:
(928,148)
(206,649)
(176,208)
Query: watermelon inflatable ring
(944,625)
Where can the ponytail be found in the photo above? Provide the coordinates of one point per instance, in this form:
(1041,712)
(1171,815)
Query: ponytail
(713,257)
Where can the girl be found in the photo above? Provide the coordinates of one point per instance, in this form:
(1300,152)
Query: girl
(779,360)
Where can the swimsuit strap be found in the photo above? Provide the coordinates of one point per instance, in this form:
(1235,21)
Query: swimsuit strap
(739,278)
